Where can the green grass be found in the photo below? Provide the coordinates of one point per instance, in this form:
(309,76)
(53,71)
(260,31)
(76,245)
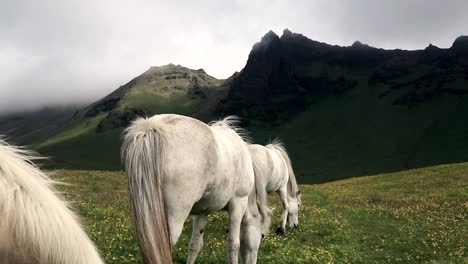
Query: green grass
(405,217)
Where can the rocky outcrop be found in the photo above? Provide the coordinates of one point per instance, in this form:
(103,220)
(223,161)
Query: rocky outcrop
(284,75)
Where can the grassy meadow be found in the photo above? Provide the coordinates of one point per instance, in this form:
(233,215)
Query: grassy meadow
(414,216)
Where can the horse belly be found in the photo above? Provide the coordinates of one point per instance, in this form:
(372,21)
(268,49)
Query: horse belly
(210,204)
(217,194)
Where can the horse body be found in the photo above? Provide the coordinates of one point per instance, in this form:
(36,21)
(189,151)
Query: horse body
(225,175)
(178,166)
(36,226)
(273,166)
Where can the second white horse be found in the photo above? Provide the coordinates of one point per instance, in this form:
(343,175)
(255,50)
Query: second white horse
(273,165)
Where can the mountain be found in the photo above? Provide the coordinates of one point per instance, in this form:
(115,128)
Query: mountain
(357,110)
(341,111)
(91,138)
(284,75)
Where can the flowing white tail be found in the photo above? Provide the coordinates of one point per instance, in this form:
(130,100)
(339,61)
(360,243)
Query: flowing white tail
(146,197)
(36,226)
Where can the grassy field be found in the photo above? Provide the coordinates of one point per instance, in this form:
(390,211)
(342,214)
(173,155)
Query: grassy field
(406,217)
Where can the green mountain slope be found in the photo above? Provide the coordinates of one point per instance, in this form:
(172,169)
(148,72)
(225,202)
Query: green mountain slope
(35,126)
(91,138)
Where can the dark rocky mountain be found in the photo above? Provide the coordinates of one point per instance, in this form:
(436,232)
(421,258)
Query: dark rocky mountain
(285,74)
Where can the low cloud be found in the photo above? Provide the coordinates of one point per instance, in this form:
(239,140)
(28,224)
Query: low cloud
(61,52)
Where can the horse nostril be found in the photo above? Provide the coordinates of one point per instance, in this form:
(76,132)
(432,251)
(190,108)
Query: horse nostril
(296,225)
(263,236)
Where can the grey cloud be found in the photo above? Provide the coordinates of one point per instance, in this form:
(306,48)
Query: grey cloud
(77,51)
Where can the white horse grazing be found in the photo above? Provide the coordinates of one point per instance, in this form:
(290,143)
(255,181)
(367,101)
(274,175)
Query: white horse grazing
(273,165)
(178,166)
(36,226)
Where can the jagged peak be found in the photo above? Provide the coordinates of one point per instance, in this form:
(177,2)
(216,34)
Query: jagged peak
(201,71)
(165,66)
(287,33)
(432,47)
(269,36)
(460,42)
(358,44)
(170,69)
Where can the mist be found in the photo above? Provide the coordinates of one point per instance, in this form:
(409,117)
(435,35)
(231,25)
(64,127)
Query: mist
(75,52)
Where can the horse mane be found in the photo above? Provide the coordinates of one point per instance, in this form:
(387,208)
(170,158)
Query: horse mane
(35,224)
(232,122)
(278,146)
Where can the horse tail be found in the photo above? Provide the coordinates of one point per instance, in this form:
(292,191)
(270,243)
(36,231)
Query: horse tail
(35,224)
(261,197)
(143,156)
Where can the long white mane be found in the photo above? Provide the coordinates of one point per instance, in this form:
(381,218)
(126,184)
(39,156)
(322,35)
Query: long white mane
(36,226)
(232,122)
(278,146)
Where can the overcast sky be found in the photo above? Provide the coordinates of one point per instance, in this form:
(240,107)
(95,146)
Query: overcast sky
(70,51)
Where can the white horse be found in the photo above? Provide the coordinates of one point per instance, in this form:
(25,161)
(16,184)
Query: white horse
(178,166)
(36,226)
(273,165)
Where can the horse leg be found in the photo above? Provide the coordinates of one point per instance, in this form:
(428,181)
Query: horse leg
(176,218)
(249,256)
(196,243)
(237,207)
(283,193)
(251,237)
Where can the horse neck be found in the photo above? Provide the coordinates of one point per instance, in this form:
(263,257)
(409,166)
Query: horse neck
(292,187)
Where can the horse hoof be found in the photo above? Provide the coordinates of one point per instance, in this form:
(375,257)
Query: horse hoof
(280,231)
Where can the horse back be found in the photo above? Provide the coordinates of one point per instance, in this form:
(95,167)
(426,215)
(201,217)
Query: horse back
(203,164)
(271,166)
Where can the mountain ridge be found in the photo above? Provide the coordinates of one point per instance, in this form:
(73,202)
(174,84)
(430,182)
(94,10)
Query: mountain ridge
(342,111)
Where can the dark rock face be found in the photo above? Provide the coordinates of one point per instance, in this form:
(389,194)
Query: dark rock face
(460,43)
(284,75)
(106,105)
(119,119)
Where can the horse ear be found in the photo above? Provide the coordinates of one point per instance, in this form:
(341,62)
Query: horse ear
(298,192)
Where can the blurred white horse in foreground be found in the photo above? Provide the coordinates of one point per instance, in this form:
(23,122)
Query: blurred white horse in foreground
(36,226)
(273,166)
(178,166)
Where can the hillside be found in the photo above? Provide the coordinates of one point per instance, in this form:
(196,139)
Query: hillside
(415,216)
(35,126)
(349,111)
(91,139)
(342,111)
